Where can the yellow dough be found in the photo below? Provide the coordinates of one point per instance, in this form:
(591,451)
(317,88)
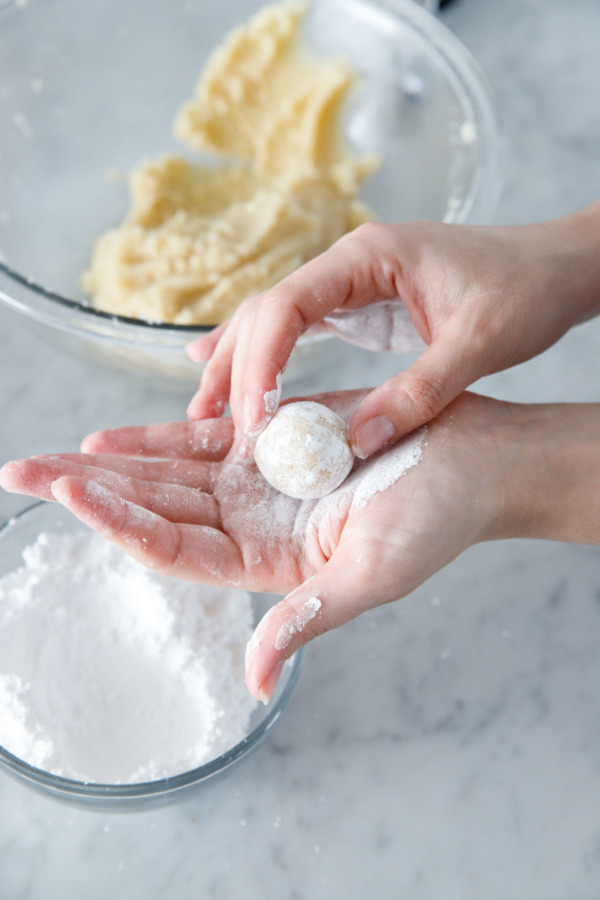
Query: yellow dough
(199,239)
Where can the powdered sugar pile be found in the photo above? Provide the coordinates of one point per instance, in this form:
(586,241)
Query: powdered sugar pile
(112,673)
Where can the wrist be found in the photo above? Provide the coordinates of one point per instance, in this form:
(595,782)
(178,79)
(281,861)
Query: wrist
(551,482)
(575,241)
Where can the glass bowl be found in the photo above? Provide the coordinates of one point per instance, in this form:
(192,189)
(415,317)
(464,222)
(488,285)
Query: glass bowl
(22,530)
(89,89)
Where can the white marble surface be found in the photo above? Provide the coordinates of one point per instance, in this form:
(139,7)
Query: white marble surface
(445,747)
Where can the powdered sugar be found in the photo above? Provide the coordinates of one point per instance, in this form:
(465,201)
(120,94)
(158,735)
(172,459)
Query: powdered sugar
(273,397)
(368,479)
(385,325)
(387,468)
(264,521)
(297,622)
(303,522)
(254,510)
(271,404)
(112,673)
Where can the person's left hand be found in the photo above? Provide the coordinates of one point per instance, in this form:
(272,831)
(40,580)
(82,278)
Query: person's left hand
(195,509)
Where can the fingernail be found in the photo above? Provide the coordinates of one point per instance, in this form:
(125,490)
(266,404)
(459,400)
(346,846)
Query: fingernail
(266,689)
(273,397)
(243,446)
(246,413)
(218,408)
(196,352)
(195,407)
(5,473)
(253,425)
(58,488)
(373,434)
(88,442)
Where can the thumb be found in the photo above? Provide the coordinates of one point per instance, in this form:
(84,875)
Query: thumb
(414,397)
(339,592)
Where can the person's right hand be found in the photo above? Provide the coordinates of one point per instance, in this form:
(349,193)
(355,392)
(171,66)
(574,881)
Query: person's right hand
(481,298)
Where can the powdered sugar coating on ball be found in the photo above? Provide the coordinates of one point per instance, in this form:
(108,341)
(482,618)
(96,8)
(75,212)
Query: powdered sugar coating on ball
(304,450)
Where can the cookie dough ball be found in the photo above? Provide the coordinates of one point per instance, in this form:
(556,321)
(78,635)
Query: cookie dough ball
(304,450)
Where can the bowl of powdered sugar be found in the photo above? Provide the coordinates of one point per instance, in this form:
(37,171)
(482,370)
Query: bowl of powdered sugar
(119,687)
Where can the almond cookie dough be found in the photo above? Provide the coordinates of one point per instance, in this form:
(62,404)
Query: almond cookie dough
(304,450)
(199,239)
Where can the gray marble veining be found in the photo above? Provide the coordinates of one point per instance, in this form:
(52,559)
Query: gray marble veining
(444,747)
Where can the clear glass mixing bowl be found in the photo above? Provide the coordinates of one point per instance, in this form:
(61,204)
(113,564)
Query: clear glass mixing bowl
(21,531)
(91,88)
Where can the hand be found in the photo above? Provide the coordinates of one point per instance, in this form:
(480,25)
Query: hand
(482,299)
(194,509)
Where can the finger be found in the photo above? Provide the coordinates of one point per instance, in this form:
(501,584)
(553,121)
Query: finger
(208,440)
(357,270)
(414,397)
(203,347)
(337,593)
(210,400)
(174,502)
(16,479)
(344,403)
(193,552)
(247,333)
(190,473)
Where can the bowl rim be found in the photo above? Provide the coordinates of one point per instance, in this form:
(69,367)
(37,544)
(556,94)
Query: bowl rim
(86,308)
(71,787)
(57,311)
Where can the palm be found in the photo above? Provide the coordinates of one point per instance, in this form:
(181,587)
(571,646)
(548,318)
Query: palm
(195,508)
(199,510)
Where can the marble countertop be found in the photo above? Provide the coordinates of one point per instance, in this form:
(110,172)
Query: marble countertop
(447,746)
